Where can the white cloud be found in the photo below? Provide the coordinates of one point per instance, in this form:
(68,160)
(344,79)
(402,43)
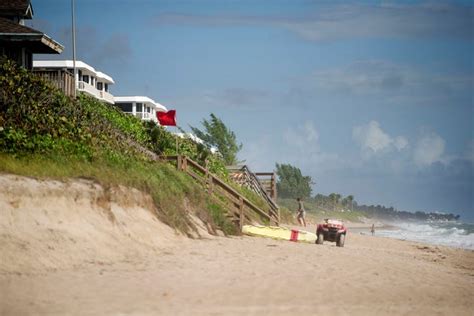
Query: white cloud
(378,21)
(470,151)
(234,97)
(428,149)
(302,148)
(304,136)
(400,143)
(372,138)
(335,22)
(394,83)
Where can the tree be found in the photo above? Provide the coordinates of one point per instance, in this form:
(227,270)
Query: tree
(347,201)
(291,183)
(216,134)
(334,197)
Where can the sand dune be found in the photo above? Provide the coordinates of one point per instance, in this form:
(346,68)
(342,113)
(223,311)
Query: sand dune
(102,252)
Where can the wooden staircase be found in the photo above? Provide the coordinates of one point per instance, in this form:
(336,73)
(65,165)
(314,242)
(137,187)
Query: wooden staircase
(240,209)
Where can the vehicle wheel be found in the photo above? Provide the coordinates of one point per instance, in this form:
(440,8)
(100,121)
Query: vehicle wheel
(340,240)
(320,239)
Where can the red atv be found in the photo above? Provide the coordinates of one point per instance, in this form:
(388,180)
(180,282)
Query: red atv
(331,230)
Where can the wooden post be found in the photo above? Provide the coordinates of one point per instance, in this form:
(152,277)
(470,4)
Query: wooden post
(209,181)
(211,184)
(241,212)
(179,163)
(279,217)
(185,164)
(274,188)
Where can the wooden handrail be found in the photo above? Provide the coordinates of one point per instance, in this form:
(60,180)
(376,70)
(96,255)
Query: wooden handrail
(237,199)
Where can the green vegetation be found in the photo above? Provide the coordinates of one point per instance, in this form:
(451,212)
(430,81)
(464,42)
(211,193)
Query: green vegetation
(45,134)
(291,183)
(335,206)
(218,135)
(314,209)
(218,216)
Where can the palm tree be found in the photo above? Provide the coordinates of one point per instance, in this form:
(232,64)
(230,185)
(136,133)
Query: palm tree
(350,200)
(334,197)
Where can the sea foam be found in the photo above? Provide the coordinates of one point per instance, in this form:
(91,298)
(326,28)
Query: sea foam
(453,234)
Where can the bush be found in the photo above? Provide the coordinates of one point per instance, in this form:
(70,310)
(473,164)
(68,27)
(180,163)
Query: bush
(47,134)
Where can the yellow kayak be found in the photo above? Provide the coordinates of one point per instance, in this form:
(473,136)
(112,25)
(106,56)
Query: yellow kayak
(281,233)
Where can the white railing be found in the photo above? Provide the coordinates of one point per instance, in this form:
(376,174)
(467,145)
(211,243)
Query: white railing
(143,116)
(85,87)
(107,97)
(149,117)
(101,95)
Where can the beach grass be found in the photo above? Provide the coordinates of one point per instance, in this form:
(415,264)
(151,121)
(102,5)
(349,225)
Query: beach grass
(168,187)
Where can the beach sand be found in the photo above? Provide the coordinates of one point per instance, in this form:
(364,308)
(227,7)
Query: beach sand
(55,262)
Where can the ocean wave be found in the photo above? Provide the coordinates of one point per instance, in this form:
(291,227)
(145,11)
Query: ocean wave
(453,234)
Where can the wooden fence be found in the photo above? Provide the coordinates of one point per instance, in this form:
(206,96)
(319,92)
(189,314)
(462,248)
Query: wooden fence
(61,79)
(242,210)
(260,185)
(268,182)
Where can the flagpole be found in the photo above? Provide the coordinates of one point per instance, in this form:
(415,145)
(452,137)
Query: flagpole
(74,47)
(168,118)
(176,127)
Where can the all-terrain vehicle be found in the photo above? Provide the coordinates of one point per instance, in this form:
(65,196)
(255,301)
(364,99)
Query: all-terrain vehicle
(331,230)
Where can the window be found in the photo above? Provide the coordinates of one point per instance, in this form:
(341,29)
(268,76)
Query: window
(148,109)
(139,107)
(106,85)
(126,107)
(85,78)
(99,86)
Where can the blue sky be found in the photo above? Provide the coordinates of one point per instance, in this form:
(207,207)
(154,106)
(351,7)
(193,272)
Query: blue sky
(369,98)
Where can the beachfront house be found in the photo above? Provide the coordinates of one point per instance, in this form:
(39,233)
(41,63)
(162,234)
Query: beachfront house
(88,79)
(140,106)
(19,42)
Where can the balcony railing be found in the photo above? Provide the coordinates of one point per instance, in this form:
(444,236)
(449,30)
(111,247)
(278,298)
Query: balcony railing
(142,116)
(63,80)
(107,97)
(87,88)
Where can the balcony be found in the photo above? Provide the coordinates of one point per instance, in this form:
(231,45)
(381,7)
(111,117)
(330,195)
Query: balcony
(63,80)
(142,116)
(107,97)
(87,88)
(98,94)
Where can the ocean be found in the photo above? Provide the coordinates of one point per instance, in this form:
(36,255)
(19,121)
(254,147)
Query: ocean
(454,233)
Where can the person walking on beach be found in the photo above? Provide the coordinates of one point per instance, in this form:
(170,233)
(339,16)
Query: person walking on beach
(372,230)
(301,213)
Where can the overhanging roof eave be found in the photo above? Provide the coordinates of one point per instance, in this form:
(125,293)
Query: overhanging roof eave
(47,44)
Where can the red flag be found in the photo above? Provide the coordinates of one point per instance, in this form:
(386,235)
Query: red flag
(167,118)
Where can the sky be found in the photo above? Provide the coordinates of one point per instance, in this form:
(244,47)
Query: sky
(369,98)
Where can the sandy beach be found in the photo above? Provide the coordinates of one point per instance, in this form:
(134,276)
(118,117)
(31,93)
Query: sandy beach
(67,257)
(256,276)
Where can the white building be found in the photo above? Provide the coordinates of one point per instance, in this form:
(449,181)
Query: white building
(88,80)
(142,107)
(197,140)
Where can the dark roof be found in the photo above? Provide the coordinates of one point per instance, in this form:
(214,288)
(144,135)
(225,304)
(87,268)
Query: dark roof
(8,26)
(20,8)
(14,34)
